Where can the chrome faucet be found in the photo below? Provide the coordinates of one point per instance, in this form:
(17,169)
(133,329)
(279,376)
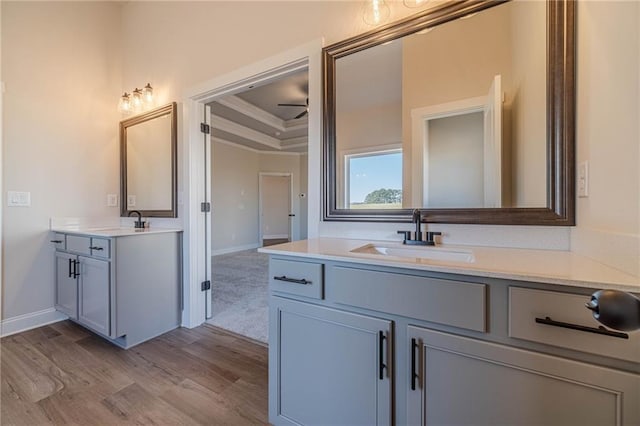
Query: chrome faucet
(416,218)
(138,223)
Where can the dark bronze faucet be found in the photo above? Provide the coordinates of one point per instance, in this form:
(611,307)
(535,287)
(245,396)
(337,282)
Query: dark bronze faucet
(416,218)
(138,223)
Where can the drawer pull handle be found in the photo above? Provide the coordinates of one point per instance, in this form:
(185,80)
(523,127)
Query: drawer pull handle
(381,339)
(292,280)
(599,330)
(414,375)
(96,248)
(56,241)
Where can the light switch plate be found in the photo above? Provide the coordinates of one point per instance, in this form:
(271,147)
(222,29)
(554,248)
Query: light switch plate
(18,199)
(112,200)
(583,179)
(131,200)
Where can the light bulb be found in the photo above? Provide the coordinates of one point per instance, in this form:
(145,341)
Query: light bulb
(376,12)
(136,99)
(147,94)
(124,105)
(415,3)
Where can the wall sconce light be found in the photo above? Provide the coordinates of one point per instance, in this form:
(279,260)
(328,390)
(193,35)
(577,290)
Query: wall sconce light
(124,106)
(137,101)
(376,12)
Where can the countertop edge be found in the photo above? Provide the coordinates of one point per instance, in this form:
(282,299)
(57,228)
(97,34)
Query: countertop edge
(113,233)
(529,276)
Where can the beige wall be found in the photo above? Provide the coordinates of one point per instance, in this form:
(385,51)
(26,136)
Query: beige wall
(607,132)
(234,198)
(234,195)
(61,66)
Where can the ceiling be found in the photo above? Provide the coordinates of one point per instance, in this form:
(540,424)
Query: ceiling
(254,120)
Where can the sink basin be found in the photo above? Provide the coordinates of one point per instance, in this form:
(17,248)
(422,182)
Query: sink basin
(420,252)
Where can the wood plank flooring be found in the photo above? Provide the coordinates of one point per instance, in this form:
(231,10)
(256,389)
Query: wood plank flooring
(63,374)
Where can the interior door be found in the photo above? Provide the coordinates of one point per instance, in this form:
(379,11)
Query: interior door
(277,215)
(493,145)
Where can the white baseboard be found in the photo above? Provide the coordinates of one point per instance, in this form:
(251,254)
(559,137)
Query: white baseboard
(618,250)
(31,320)
(234,249)
(275,236)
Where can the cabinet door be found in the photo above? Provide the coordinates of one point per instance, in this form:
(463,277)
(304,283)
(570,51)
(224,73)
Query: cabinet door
(464,381)
(328,367)
(94,294)
(66,285)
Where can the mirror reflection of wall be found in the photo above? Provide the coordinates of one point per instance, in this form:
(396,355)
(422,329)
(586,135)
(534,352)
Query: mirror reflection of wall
(148,165)
(148,174)
(384,93)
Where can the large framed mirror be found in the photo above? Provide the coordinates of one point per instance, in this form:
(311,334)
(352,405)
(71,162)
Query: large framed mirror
(464,110)
(148,163)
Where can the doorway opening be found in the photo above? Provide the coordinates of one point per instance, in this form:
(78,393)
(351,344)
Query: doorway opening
(259,140)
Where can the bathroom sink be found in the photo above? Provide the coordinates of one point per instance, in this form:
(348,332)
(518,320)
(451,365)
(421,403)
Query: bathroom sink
(420,252)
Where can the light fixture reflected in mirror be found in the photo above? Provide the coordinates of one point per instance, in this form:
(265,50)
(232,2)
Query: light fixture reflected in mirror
(376,12)
(137,101)
(414,3)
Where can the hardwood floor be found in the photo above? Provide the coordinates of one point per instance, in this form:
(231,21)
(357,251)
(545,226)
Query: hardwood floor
(63,374)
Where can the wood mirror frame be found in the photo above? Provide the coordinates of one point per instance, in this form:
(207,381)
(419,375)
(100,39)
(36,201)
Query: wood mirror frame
(167,110)
(560,210)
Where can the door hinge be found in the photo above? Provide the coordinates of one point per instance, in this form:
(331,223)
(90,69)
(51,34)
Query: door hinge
(205,207)
(205,285)
(205,128)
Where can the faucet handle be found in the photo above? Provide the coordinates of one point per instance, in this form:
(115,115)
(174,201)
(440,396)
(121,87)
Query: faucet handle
(407,234)
(430,237)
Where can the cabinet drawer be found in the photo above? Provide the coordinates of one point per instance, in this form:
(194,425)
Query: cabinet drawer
(525,305)
(301,278)
(99,247)
(454,303)
(59,241)
(79,244)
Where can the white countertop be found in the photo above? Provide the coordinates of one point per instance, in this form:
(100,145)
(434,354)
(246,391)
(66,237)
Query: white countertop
(111,232)
(543,266)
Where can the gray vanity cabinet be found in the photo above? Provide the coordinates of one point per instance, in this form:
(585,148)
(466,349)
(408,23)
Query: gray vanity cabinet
(126,288)
(459,380)
(328,366)
(459,350)
(66,285)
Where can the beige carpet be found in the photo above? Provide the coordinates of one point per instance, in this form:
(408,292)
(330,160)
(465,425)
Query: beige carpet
(239,283)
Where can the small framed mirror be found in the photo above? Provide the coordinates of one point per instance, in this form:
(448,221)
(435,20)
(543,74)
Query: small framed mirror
(148,163)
